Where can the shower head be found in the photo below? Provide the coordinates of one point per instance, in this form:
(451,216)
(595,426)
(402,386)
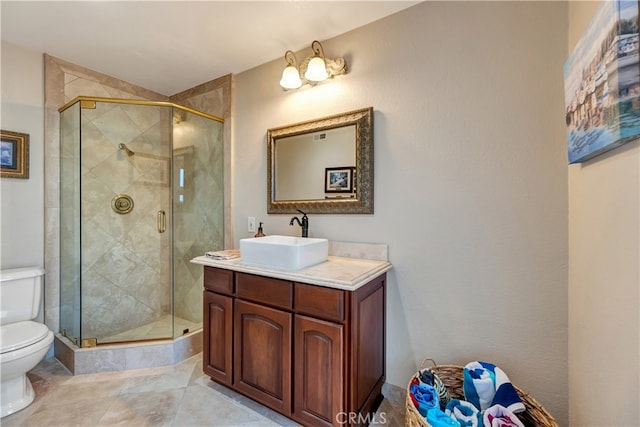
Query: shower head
(126,149)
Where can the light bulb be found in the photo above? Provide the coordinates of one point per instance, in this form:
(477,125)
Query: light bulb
(290,78)
(316,70)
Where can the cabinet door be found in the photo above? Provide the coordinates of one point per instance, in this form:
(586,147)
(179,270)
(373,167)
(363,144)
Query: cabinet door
(319,372)
(217,337)
(367,360)
(263,354)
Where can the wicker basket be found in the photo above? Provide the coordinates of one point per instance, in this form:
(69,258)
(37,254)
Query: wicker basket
(452,377)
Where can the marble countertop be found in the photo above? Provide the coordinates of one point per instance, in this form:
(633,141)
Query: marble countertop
(337,272)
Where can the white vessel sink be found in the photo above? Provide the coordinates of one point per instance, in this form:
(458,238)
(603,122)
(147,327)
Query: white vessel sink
(284,252)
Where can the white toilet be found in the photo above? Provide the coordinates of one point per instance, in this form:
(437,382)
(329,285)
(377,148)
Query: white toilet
(23,342)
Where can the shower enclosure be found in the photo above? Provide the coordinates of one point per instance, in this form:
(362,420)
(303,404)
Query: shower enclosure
(141,188)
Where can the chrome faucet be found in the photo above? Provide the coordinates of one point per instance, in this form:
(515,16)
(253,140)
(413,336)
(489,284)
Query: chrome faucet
(304,224)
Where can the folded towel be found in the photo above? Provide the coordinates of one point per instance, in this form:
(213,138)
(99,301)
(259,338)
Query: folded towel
(424,397)
(428,377)
(499,416)
(506,394)
(464,412)
(486,385)
(437,418)
(223,255)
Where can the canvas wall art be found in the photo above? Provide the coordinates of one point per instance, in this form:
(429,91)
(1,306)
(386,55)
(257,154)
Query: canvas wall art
(602,83)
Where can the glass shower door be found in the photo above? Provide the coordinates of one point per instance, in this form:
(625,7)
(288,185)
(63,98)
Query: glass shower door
(125,198)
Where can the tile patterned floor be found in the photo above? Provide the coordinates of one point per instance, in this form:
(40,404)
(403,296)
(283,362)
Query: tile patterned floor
(180,395)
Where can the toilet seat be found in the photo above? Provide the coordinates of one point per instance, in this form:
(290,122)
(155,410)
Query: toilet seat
(22,334)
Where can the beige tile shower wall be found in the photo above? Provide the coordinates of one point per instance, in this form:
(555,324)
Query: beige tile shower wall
(214,97)
(63,82)
(198,207)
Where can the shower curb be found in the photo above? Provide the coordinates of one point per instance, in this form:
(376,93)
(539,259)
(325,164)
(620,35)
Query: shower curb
(125,357)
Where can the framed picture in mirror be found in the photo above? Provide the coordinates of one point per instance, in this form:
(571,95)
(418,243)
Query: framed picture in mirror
(338,180)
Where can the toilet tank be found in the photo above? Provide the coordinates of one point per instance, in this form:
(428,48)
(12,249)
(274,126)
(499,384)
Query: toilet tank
(20,293)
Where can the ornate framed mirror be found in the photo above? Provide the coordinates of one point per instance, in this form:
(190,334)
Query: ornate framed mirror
(322,166)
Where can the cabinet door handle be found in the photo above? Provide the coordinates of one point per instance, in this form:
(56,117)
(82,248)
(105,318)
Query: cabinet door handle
(161,221)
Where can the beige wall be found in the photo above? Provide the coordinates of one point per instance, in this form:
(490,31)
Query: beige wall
(604,277)
(22,200)
(470,180)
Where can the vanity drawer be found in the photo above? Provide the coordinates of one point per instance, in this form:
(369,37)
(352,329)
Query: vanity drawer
(318,301)
(274,292)
(219,280)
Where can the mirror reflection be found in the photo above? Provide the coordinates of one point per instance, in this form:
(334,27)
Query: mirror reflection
(316,165)
(323,165)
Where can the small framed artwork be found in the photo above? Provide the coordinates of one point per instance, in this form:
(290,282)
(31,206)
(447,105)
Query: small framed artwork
(14,155)
(338,180)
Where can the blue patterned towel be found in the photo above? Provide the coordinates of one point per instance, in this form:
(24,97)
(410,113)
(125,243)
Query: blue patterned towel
(499,416)
(424,397)
(464,412)
(437,418)
(486,385)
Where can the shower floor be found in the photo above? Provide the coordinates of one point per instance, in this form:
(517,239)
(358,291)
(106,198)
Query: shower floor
(156,330)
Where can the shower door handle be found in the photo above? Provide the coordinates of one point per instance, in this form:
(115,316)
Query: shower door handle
(161,221)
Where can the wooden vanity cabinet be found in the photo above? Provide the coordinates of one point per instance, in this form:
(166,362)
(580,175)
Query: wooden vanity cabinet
(314,354)
(217,349)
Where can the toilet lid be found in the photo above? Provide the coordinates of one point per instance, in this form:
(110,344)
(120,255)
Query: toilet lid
(18,335)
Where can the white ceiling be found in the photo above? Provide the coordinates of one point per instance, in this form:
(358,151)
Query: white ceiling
(170,46)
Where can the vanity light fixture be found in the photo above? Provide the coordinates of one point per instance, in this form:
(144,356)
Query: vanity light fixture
(314,68)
